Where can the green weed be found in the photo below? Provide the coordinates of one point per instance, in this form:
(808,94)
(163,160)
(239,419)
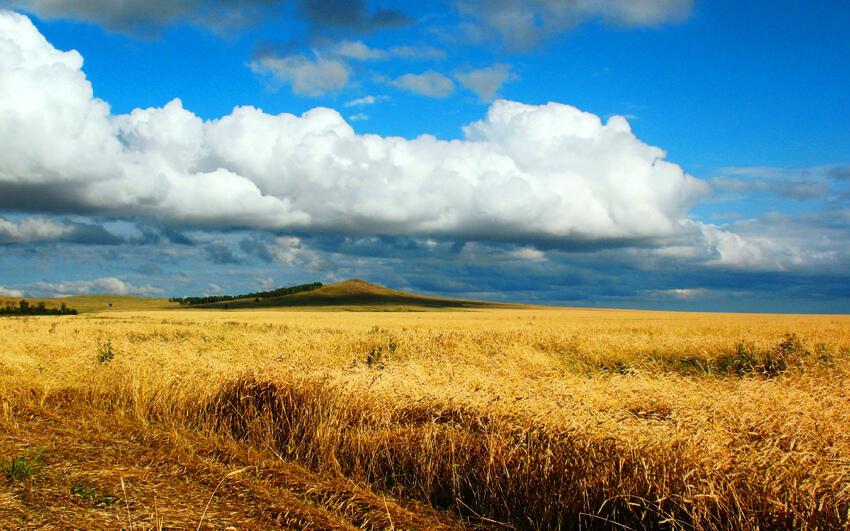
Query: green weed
(22,468)
(105,352)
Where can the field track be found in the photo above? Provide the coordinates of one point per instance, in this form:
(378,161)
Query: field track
(131,475)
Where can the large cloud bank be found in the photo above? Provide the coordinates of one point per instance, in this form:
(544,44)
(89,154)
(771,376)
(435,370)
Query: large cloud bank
(549,172)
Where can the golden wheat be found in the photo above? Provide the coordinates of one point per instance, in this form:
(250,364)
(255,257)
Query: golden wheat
(533,418)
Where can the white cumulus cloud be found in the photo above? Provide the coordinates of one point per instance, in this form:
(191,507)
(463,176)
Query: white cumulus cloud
(522,173)
(785,244)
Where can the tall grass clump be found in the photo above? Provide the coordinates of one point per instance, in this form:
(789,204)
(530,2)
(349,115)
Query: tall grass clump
(748,359)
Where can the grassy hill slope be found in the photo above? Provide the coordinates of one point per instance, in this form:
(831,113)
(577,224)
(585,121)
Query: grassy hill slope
(356,295)
(98,303)
(353,295)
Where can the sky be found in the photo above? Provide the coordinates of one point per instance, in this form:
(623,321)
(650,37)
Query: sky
(660,154)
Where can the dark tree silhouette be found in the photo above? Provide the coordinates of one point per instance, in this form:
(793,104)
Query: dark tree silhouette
(280,292)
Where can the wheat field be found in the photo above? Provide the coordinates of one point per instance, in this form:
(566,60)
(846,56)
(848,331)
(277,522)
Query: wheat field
(523,418)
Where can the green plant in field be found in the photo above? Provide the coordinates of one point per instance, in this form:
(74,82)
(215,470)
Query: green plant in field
(790,346)
(691,364)
(789,352)
(86,492)
(105,352)
(617,367)
(373,357)
(747,359)
(743,361)
(383,344)
(21,468)
(105,501)
(823,354)
(90,493)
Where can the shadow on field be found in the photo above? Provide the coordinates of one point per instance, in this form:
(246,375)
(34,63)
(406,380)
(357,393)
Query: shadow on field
(354,301)
(489,471)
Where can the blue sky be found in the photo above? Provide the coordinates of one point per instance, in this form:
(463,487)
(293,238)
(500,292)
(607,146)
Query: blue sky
(748,102)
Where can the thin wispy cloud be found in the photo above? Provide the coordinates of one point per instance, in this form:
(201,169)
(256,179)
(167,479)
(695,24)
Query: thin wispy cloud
(305,76)
(366,101)
(429,83)
(522,24)
(486,82)
(108,285)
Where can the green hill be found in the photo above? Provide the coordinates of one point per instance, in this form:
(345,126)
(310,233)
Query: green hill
(352,295)
(355,295)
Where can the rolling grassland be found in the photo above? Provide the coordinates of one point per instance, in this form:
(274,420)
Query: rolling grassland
(525,418)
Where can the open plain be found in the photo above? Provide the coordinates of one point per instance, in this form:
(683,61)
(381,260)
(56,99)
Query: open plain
(526,418)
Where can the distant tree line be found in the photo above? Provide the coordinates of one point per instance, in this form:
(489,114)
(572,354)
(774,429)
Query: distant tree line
(25,308)
(279,292)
